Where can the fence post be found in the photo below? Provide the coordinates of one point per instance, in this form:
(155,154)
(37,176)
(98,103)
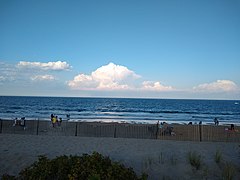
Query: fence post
(76,129)
(115,131)
(1,126)
(157,130)
(200,132)
(37,125)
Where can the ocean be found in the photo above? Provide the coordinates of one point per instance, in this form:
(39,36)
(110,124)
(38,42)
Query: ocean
(121,109)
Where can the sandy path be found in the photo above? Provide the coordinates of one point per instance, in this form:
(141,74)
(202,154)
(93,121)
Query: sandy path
(158,158)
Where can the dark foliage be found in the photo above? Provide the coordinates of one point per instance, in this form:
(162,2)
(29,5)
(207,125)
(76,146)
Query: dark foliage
(92,167)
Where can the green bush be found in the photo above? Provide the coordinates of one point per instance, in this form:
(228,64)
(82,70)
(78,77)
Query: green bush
(195,160)
(7,177)
(218,157)
(92,167)
(228,171)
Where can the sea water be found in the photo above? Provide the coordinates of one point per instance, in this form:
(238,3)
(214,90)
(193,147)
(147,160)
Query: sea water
(121,109)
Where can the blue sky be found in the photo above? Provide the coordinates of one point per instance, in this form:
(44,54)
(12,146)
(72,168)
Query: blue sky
(151,49)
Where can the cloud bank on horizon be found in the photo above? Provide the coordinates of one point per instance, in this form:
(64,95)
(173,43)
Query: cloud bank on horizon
(45,77)
(58,65)
(218,86)
(110,77)
(116,77)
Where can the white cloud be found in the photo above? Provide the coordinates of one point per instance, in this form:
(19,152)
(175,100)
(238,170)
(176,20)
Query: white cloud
(114,77)
(155,86)
(218,86)
(7,72)
(2,78)
(108,77)
(43,78)
(83,82)
(58,65)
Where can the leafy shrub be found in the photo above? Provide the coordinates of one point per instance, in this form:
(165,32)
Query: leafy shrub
(195,160)
(7,177)
(218,157)
(92,167)
(228,171)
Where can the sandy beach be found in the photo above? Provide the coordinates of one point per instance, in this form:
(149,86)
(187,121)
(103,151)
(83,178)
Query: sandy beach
(159,158)
(179,132)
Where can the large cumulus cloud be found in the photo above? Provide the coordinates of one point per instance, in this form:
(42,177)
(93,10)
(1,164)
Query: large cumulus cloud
(114,77)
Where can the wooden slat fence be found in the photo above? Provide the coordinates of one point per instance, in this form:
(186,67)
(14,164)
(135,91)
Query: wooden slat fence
(122,130)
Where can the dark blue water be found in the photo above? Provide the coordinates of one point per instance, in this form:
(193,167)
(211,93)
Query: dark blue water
(121,110)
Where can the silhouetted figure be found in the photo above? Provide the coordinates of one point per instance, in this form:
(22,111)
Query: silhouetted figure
(68,116)
(21,122)
(59,121)
(216,121)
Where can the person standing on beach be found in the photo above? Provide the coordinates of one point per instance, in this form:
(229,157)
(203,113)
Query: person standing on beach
(59,121)
(216,121)
(68,116)
(52,118)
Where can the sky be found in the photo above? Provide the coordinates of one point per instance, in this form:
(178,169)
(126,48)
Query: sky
(110,48)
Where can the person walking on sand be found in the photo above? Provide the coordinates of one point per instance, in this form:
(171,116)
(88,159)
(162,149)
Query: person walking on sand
(54,120)
(216,121)
(60,121)
(68,116)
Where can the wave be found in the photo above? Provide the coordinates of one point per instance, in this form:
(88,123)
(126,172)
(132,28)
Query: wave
(167,112)
(119,109)
(10,112)
(15,107)
(148,111)
(122,112)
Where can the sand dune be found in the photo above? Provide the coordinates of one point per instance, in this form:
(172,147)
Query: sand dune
(159,158)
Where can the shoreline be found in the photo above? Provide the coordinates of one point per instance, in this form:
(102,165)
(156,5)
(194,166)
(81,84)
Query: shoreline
(99,120)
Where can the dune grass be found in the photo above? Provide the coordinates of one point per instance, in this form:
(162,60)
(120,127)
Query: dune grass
(195,160)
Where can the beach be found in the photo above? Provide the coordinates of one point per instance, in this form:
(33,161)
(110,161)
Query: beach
(159,158)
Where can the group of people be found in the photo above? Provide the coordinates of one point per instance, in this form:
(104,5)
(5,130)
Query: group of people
(216,122)
(165,129)
(20,122)
(55,120)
